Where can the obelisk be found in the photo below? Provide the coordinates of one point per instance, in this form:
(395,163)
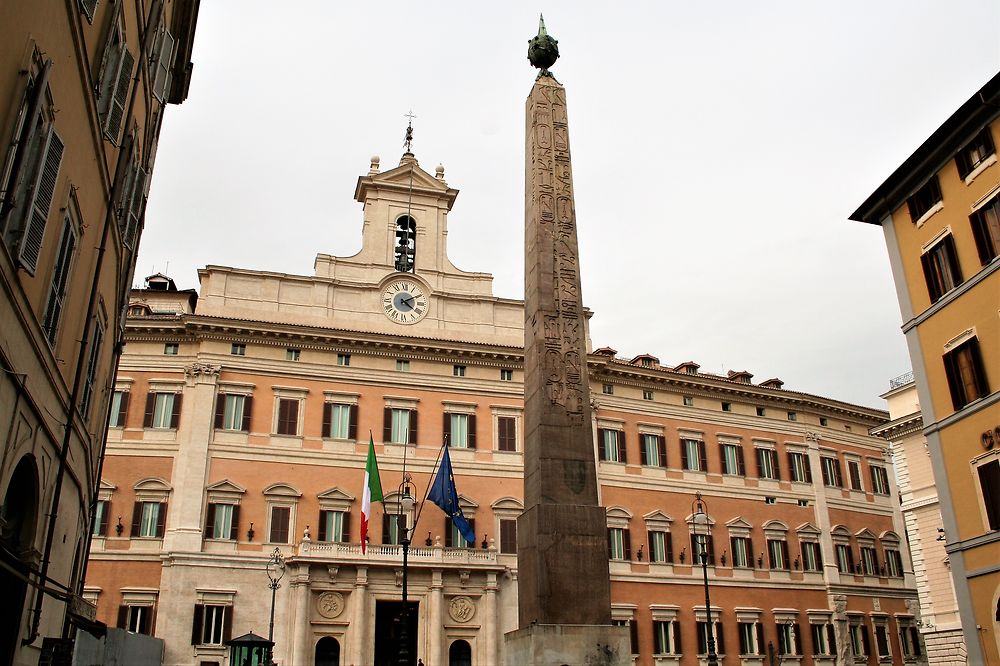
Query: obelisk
(564,592)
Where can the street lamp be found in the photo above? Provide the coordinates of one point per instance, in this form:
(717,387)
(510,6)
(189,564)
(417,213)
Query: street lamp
(702,528)
(404,529)
(275,571)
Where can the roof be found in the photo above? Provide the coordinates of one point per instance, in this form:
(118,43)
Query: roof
(932,154)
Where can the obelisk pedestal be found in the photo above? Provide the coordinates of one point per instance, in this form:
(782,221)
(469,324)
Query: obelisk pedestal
(564,591)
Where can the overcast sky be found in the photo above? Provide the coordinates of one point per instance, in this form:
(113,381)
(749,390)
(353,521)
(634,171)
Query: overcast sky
(718,149)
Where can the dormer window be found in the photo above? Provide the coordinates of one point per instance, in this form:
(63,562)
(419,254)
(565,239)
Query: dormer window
(406,244)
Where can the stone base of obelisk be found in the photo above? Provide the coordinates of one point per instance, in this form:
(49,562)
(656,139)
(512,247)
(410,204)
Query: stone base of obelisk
(568,645)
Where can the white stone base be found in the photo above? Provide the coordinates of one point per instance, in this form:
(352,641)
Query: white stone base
(946,648)
(568,645)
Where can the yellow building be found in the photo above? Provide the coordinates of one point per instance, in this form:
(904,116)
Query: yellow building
(83,87)
(940,211)
(241,422)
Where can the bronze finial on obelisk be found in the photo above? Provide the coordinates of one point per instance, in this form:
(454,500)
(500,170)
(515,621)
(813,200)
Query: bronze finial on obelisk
(564,592)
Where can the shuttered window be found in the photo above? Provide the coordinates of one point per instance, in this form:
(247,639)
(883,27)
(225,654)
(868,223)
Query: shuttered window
(115,80)
(506,433)
(60,277)
(508,536)
(288,417)
(162,61)
(41,192)
(340,421)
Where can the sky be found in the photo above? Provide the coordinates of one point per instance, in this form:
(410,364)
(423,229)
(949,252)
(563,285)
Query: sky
(718,149)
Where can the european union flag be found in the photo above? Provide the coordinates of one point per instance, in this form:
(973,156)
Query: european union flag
(443,494)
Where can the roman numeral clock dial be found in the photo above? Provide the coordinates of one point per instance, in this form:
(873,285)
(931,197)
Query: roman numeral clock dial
(404,301)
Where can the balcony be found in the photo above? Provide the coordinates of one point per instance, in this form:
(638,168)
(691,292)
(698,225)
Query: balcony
(390,555)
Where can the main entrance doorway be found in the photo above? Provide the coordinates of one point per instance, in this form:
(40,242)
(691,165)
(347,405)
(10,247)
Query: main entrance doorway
(387,626)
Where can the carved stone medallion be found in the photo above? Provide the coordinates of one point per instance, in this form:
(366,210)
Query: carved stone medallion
(330,604)
(462,609)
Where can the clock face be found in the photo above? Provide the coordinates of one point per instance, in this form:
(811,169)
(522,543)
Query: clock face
(404,301)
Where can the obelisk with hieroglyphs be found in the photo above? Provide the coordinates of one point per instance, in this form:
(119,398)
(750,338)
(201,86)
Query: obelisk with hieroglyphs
(564,592)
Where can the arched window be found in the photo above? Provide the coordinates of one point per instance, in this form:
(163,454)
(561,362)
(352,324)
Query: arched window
(328,652)
(406,244)
(20,507)
(460,654)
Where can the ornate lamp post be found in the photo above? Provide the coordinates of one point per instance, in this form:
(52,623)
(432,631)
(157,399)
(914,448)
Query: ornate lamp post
(702,528)
(275,572)
(405,530)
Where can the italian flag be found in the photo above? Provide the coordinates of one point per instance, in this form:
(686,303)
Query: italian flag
(371,492)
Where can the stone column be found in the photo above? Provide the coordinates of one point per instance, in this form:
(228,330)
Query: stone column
(300,631)
(435,617)
(359,619)
(491,620)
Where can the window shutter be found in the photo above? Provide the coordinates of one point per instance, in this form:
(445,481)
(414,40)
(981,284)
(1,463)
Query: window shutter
(661,443)
(446,427)
(633,636)
(136,518)
(119,96)
(827,481)
(227,624)
(149,621)
(37,211)
(831,639)
(668,539)
(209,521)
(135,207)
(760,638)
(88,7)
(643,458)
(103,526)
(247,411)
(760,463)
(472,526)
(677,637)
(798,638)
(472,431)
(866,640)
(175,418)
(161,73)
(740,462)
(345,529)
(720,639)
(609,543)
(327,419)
(915,639)
(839,473)
(234,527)
(321,534)
(385,529)
(622,452)
(220,411)
(387,424)
(352,425)
(722,461)
(703,456)
(777,467)
(711,550)
(147,418)
(122,617)
(123,408)
(161,520)
(627,541)
(784,552)
(60,276)
(684,456)
(196,624)
(413,427)
(808,468)
(447,533)
(600,444)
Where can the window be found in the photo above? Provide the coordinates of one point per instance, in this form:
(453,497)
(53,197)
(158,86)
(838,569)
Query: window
(661,546)
(647,395)
(823,421)
(171,349)
(727,406)
(279,529)
(941,270)
(802,502)
(792,416)
(607,389)
(854,472)
(742,549)
(966,376)
(717,638)
(508,536)
(460,430)
(160,62)
(986,230)
(506,375)
(824,639)
(761,411)
(632,632)
(149,520)
(702,543)
(666,637)
(893,563)
(60,277)
(909,639)
(858,635)
(100,526)
(869,561)
(882,640)
(506,433)
(812,559)
(97,332)
(212,624)
(880,480)
(238,349)
(393,527)
(402,365)
(453,535)
(334,526)
(137,619)
(132,199)
(845,558)
(924,199)
(770,499)
(619,543)
(611,446)
(653,449)
(974,153)
(119,409)
(340,421)
(732,459)
(399,426)
(343,359)
(751,638)
(222,521)
(777,554)
(287,422)
(789,638)
(232,411)
(767,464)
(831,472)
(293,354)
(693,456)
(688,401)
(799,467)
(163,410)
(989,483)
(458,370)
(115,80)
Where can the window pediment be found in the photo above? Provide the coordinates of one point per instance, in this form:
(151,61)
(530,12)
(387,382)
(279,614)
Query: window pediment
(657,519)
(739,523)
(225,486)
(508,504)
(335,499)
(808,528)
(282,490)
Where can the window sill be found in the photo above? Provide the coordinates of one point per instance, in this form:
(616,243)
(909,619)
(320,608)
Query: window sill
(939,206)
(983,166)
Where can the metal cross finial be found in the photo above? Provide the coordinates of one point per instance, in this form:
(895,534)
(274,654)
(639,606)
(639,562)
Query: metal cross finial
(409,130)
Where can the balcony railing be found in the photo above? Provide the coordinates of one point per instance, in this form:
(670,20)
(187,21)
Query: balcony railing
(902,380)
(389,553)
